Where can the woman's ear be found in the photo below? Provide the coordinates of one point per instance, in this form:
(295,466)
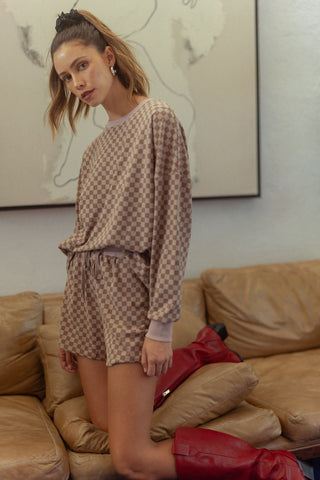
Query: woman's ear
(109,56)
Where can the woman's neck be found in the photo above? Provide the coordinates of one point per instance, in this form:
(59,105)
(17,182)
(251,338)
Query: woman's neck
(117,104)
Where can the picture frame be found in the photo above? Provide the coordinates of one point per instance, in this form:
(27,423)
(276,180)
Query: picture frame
(209,77)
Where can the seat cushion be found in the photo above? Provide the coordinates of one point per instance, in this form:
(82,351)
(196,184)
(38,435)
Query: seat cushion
(209,392)
(91,466)
(267,309)
(73,422)
(20,366)
(248,422)
(30,446)
(289,384)
(253,424)
(302,450)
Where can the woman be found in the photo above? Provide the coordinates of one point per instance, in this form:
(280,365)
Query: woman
(127,255)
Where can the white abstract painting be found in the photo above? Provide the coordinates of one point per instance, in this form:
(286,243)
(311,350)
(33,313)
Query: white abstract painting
(200,57)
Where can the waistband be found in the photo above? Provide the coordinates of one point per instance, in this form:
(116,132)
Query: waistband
(114,251)
(90,260)
(109,250)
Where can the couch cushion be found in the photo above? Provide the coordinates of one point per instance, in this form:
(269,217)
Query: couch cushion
(52,307)
(289,384)
(60,385)
(186,329)
(30,446)
(20,366)
(302,450)
(268,309)
(253,424)
(209,392)
(90,466)
(193,297)
(73,422)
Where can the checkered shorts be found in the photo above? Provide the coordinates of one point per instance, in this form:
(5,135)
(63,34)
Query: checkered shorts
(104,312)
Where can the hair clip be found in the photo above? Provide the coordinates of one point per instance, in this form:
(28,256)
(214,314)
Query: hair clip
(67,20)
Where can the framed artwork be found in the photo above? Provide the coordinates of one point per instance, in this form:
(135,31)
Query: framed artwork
(201,57)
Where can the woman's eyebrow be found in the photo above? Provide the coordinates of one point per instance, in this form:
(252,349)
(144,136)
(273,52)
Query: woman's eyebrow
(72,65)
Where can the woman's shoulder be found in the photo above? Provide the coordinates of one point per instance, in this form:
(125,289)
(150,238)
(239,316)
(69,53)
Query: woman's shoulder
(161,111)
(159,106)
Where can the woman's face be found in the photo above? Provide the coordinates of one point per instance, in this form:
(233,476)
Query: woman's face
(85,71)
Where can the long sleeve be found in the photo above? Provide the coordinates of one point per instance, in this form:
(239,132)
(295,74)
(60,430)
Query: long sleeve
(171,222)
(79,235)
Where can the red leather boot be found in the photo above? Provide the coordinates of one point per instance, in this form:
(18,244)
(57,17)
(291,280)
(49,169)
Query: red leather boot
(208,455)
(207,348)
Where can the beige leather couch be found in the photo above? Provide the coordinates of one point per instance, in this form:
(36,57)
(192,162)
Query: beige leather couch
(272,313)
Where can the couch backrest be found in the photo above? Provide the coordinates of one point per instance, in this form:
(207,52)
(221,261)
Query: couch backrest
(193,314)
(52,308)
(267,309)
(20,366)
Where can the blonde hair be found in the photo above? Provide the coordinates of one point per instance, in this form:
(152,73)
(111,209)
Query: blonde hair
(91,31)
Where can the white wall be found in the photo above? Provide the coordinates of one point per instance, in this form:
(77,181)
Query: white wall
(282,225)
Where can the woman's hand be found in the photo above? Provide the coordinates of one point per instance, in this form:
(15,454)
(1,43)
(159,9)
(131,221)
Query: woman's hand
(156,357)
(68,361)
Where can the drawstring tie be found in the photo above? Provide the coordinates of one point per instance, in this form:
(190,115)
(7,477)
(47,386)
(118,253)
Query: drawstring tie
(91,263)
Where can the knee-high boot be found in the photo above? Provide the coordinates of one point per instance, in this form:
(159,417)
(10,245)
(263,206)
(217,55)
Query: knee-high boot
(202,454)
(207,348)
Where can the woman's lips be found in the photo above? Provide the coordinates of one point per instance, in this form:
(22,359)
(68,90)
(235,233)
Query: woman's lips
(87,94)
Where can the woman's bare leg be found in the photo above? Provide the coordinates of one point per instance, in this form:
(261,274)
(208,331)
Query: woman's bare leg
(130,406)
(94,380)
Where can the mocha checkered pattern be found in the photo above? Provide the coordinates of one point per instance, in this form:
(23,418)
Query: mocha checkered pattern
(134,192)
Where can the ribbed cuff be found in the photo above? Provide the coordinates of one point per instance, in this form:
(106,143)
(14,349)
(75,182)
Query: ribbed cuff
(161,332)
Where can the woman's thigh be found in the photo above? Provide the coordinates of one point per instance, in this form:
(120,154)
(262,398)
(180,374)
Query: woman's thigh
(94,380)
(130,407)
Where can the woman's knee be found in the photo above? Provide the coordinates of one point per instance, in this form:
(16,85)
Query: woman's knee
(130,465)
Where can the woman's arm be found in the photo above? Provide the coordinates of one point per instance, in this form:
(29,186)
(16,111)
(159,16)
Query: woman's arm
(171,223)
(170,239)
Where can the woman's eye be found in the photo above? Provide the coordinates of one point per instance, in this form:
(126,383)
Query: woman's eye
(66,79)
(82,65)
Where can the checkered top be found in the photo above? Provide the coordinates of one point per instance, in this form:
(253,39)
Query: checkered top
(134,192)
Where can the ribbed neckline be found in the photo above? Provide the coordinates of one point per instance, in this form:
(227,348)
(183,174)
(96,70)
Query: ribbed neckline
(121,120)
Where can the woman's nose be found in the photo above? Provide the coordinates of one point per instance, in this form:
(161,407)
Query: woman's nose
(78,81)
